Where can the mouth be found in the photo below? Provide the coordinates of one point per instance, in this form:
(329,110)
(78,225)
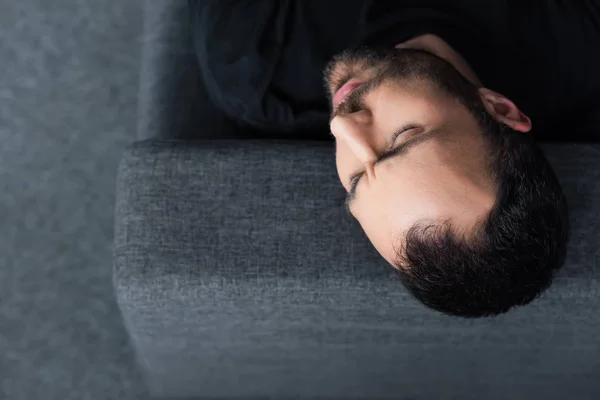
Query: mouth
(345,90)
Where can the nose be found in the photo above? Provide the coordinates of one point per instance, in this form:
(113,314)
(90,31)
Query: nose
(351,124)
(355,131)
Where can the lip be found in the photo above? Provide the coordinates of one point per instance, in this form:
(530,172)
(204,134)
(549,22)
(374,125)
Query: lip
(345,90)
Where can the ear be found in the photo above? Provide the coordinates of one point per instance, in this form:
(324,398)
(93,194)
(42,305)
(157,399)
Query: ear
(504,110)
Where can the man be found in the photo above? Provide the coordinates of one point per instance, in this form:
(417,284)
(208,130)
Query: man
(434,107)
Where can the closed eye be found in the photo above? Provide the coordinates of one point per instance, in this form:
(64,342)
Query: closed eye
(354,179)
(401,131)
(397,150)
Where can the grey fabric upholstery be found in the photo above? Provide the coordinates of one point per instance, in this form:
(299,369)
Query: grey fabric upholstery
(239,274)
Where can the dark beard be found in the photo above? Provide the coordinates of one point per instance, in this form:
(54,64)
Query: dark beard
(398,65)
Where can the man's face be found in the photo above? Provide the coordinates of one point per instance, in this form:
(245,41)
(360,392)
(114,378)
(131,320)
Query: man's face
(440,173)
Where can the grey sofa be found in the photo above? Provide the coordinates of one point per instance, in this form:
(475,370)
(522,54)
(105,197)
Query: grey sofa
(239,274)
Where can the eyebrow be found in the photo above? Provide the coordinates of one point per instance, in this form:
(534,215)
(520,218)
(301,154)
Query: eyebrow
(398,151)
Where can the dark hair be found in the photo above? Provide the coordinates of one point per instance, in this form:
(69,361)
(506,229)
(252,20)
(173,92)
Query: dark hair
(512,254)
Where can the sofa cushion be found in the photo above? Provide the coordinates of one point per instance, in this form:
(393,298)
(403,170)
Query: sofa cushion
(239,273)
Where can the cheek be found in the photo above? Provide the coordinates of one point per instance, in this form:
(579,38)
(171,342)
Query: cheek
(379,229)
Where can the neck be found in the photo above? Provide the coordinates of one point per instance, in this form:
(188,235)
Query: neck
(436,45)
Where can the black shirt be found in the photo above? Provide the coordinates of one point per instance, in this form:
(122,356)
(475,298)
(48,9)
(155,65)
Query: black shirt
(263,60)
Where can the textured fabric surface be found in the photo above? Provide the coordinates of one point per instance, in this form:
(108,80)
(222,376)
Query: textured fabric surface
(69,73)
(239,274)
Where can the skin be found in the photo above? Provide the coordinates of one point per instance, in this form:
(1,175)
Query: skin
(439,179)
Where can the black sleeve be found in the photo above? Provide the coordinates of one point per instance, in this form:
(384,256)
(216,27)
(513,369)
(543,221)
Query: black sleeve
(238,45)
(262,63)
